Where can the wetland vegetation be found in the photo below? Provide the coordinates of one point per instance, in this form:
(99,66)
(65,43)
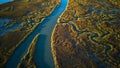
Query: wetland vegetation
(27,14)
(88,35)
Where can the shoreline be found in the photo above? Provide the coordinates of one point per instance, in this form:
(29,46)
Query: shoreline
(29,32)
(62,13)
(30,52)
(52,40)
(53,50)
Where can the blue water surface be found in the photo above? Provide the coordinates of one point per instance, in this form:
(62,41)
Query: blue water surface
(42,56)
(5,1)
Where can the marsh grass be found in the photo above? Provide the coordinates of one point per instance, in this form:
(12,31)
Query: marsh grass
(99,41)
(29,15)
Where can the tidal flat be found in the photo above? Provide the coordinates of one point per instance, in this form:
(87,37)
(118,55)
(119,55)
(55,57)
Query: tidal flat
(29,14)
(88,35)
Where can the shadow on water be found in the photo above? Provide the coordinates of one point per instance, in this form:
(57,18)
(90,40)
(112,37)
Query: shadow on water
(39,51)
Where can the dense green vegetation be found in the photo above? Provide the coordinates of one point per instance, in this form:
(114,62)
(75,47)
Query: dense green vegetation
(88,35)
(29,13)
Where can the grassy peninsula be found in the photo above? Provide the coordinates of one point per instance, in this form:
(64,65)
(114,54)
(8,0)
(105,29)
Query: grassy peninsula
(88,35)
(27,61)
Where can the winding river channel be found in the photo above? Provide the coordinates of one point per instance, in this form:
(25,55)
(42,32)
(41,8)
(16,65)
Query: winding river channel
(42,56)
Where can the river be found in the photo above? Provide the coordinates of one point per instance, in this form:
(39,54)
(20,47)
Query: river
(43,55)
